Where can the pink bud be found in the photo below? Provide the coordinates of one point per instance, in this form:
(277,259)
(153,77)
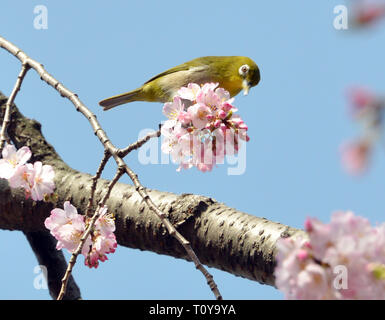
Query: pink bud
(217,123)
(222,114)
(243,126)
(237,122)
(210,117)
(302,255)
(226,107)
(360,98)
(308,225)
(368,14)
(307,244)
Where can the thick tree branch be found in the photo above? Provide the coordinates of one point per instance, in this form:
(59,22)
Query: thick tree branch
(44,247)
(222,237)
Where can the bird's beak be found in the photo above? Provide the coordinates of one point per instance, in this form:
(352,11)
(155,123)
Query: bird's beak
(246,87)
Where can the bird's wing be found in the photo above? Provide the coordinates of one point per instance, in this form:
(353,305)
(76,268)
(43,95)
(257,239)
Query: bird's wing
(182,67)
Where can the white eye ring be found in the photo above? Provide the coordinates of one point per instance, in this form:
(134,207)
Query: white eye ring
(243,70)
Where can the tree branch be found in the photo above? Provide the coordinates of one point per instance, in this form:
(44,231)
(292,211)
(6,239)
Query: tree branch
(110,148)
(44,247)
(222,237)
(11,99)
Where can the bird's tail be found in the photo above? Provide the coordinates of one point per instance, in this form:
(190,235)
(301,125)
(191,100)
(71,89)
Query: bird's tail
(134,95)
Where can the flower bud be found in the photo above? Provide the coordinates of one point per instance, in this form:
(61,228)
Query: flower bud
(222,114)
(217,123)
(243,126)
(226,107)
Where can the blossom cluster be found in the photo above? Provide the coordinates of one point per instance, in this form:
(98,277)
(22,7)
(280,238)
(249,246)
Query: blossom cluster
(368,109)
(67,226)
(36,179)
(202,127)
(344,259)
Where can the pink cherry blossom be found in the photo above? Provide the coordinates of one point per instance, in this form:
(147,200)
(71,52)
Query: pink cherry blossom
(190,92)
(36,179)
(172,109)
(231,143)
(175,111)
(203,128)
(360,97)
(67,226)
(12,160)
(307,269)
(198,114)
(105,223)
(312,283)
(172,131)
(204,158)
(368,109)
(367,13)
(103,239)
(41,180)
(102,245)
(355,156)
(222,114)
(226,107)
(21,178)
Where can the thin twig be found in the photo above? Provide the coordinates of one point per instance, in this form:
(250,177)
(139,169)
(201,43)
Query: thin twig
(173,232)
(85,235)
(111,149)
(136,145)
(11,99)
(95,179)
(44,247)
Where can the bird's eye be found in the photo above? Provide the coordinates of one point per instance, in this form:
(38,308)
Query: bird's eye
(243,70)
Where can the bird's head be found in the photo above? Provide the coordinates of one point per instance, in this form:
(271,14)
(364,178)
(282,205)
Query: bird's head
(248,72)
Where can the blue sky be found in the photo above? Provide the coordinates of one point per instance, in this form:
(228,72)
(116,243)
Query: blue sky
(297,118)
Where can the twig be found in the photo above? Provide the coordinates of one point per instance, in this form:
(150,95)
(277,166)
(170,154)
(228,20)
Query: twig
(11,99)
(136,145)
(173,232)
(95,179)
(85,235)
(44,247)
(109,147)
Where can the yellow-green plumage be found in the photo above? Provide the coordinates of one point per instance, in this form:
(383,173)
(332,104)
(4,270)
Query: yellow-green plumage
(223,70)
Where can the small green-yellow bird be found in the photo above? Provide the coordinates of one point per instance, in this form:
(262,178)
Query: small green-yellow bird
(233,73)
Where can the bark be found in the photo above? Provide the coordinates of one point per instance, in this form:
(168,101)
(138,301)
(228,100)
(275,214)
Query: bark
(44,248)
(222,237)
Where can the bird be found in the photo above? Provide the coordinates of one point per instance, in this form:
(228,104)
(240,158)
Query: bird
(233,73)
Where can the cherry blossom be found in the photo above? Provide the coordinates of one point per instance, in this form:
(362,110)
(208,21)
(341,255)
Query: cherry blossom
(67,226)
(367,108)
(41,180)
(366,13)
(202,127)
(308,268)
(36,179)
(13,159)
(355,156)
